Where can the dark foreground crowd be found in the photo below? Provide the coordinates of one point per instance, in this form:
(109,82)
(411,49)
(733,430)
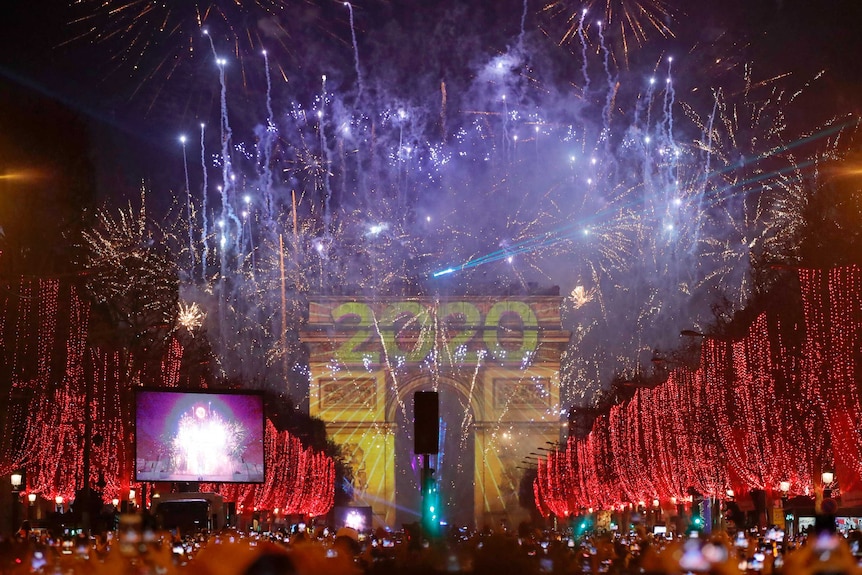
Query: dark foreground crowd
(346,552)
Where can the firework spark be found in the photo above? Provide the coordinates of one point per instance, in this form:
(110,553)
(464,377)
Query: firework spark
(159,44)
(581,297)
(129,268)
(633,22)
(190,316)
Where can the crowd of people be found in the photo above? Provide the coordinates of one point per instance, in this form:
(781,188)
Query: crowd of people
(348,552)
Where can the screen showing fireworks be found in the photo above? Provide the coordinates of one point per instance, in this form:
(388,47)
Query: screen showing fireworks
(199,436)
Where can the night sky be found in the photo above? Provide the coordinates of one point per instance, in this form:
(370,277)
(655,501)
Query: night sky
(45,53)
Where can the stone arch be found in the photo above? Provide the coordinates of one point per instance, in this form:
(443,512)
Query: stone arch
(508,379)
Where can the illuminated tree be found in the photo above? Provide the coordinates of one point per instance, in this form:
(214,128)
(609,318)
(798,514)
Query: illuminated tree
(132,278)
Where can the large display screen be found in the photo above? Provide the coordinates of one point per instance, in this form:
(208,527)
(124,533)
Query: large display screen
(199,436)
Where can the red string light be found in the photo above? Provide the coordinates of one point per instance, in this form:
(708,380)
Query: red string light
(768,408)
(68,398)
(297,479)
(832,303)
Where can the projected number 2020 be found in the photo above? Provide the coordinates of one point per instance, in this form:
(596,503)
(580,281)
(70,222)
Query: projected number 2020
(410,330)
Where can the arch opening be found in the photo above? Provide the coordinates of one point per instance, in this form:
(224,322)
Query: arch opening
(454,466)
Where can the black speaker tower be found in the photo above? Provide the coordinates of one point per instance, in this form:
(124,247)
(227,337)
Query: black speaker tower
(426,422)
(426,431)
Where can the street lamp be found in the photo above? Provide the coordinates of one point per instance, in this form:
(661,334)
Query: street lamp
(59,502)
(784,487)
(17,480)
(31,498)
(828,478)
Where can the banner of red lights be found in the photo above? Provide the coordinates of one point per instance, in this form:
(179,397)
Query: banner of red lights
(69,409)
(781,404)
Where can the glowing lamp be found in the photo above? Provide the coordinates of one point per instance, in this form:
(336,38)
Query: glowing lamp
(31,497)
(131,494)
(17,479)
(729,492)
(655,502)
(115,502)
(827,477)
(784,486)
(58,500)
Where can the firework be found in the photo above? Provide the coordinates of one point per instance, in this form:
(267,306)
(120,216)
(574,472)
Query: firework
(646,210)
(633,22)
(158,44)
(206,444)
(190,316)
(129,268)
